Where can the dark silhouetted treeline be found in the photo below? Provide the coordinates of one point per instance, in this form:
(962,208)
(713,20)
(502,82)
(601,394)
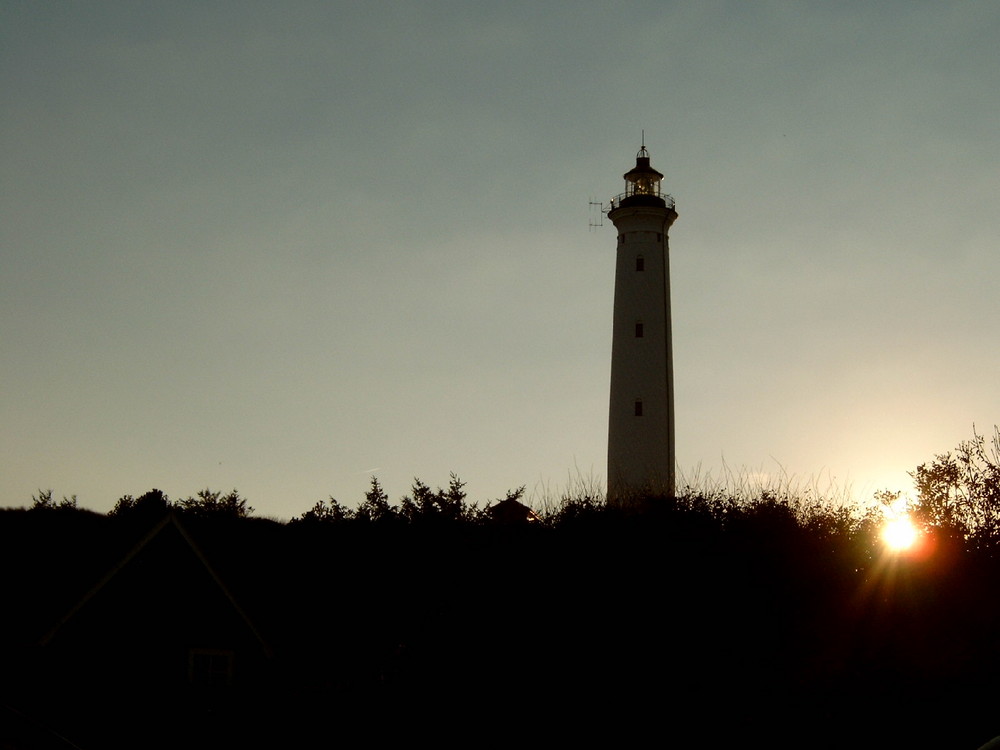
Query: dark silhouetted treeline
(699,621)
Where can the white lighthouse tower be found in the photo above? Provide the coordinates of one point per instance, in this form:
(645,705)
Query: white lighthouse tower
(641,421)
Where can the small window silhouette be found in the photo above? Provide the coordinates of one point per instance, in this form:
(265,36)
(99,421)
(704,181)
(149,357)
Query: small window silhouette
(640,263)
(211,668)
(659,237)
(638,330)
(638,407)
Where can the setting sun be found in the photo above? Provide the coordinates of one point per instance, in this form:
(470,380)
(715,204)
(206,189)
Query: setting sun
(899,534)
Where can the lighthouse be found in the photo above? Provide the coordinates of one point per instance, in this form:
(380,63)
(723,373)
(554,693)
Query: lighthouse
(641,419)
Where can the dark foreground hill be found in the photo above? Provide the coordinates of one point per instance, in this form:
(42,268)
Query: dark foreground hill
(668,625)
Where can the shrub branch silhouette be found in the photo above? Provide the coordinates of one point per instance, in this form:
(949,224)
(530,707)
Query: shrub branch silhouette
(44,502)
(959,492)
(215,505)
(152,504)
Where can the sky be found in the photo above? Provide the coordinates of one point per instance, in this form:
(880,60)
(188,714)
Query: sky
(286,247)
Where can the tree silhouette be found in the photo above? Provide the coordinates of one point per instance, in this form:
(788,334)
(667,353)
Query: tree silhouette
(152,504)
(960,492)
(210,504)
(376,506)
(327,511)
(44,502)
(449,504)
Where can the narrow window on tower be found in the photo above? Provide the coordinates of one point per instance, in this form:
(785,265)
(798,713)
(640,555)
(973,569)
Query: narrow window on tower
(638,330)
(640,263)
(638,407)
(659,237)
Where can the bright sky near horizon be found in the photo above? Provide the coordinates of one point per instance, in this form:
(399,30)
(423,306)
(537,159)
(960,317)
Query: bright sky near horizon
(284,246)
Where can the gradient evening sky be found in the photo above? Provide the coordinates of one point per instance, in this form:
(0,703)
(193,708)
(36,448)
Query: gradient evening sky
(282,246)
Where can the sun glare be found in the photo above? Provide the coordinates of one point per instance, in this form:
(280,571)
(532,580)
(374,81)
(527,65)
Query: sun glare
(899,534)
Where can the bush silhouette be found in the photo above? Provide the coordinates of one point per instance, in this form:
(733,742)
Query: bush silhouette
(960,493)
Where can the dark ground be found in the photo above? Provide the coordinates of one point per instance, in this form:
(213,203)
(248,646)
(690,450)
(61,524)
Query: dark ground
(663,627)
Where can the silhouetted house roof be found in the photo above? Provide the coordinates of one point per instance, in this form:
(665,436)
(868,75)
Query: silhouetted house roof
(160,634)
(512,511)
(19,731)
(161,618)
(158,566)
